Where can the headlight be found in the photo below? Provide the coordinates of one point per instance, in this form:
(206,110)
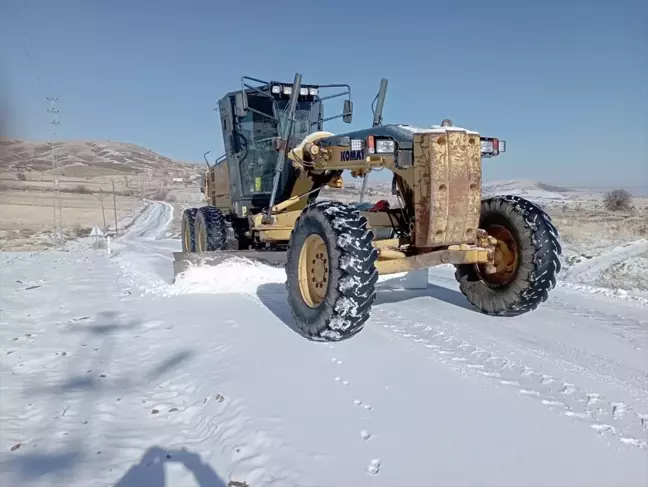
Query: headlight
(287,90)
(276,89)
(313,91)
(356,144)
(384,146)
(491,146)
(303,91)
(486,146)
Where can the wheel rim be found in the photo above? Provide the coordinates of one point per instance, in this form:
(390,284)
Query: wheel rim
(313,271)
(187,237)
(201,238)
(507,257)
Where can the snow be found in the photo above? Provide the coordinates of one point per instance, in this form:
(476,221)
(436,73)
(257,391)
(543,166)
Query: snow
(434,129)
(232,276)
(531,190)
(588,268)
(619,272)
(113,376)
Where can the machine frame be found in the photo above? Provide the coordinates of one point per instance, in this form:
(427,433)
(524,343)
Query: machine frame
(437,178)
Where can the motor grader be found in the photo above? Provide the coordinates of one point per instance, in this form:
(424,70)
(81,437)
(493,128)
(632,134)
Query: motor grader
(262,203)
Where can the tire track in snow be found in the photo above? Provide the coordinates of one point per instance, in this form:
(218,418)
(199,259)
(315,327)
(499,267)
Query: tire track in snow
(606,416)
(151,223)
(621,326)
(618,322)
(217,419)
(143,239)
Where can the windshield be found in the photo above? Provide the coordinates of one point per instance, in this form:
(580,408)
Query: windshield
(306,117)
(259,131)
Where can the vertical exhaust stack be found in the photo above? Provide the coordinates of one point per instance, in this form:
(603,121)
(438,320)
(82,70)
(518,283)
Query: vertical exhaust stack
(377,121)
(286,130)
(380,102)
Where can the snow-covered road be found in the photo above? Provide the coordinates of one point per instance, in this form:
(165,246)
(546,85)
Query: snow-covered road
(112,376)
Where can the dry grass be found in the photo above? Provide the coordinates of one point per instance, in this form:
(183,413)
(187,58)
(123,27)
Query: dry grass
(26,217)
(67,188)
(162,195)
(26,214)
(592,225)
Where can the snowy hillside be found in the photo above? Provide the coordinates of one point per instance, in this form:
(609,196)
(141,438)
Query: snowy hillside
(114,376)
(107,155)
(537,191)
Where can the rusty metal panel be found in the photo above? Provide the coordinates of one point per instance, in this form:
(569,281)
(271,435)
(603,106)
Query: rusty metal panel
(447,187)
(218,183)
(422,192)
(464,184)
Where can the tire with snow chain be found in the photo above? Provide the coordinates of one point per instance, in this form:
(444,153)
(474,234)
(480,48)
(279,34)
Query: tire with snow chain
(526,267)
(210,229)
(188,234)
(331,276)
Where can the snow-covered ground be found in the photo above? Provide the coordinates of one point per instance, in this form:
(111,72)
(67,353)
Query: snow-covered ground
(113,376)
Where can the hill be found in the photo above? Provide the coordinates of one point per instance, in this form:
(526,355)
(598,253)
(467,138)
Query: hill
(90,171)
(87,158)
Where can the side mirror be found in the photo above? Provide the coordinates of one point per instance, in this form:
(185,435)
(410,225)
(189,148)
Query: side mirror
(347,116)
(239,105)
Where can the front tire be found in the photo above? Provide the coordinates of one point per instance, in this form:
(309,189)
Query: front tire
(330,269)
(527,266)
(210,229)
(188,230)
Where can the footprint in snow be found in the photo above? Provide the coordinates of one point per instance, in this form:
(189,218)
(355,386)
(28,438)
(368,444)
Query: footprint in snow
(568,388)
(619,410)
(374,466)
(529,392)
(592,398)
(358,402)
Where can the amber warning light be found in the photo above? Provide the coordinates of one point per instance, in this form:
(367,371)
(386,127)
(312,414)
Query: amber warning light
(491,147)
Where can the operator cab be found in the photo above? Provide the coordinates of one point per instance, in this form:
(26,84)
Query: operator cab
(252,120)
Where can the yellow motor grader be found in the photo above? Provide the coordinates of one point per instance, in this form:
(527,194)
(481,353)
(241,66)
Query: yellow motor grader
(262,203)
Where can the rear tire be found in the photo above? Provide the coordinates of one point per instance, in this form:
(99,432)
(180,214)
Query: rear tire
(526,282)
(330,269)
(187,229)
(210,229)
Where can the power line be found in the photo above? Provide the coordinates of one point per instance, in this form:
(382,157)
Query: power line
(56,187)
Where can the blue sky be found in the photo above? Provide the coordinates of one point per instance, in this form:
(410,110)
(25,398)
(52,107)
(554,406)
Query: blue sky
(564,82)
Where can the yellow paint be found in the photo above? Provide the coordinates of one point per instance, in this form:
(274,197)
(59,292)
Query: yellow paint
(431,259)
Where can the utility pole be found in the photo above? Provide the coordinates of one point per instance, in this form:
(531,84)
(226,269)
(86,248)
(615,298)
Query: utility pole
(103,211)
(115,207)
(56,187)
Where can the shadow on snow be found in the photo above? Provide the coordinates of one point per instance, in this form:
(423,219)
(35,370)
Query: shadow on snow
(273,297)
(58,459)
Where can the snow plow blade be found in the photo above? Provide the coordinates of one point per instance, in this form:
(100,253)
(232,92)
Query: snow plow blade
(184,260)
